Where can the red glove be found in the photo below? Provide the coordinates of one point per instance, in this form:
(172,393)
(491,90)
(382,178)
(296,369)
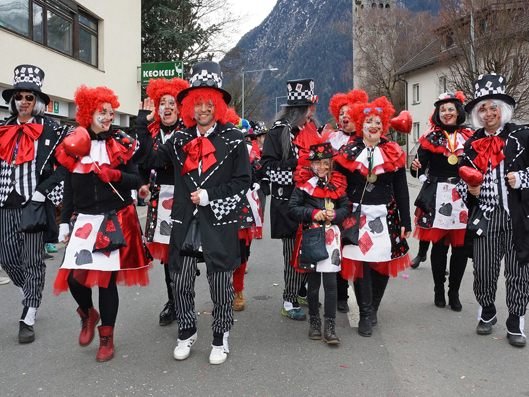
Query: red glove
(107,174)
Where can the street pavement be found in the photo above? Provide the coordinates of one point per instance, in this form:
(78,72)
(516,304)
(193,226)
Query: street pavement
(416,349)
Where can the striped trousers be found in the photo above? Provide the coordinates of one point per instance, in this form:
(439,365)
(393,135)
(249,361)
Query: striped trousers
(22,256)
(220,288)
(489,250)
(293,279)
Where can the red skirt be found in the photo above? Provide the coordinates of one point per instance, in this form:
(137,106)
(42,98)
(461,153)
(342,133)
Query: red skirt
(353,269)
(134,259)
(453,237)
(159,251)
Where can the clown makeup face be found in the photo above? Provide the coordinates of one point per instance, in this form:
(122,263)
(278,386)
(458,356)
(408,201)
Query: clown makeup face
(448,113)
(102,118)
(321,168)
(168,110)
(24,102)
(372,130)
(204,115)
(344,120)
(490,115)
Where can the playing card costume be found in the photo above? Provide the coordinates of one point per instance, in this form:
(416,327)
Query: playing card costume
(29,180)
(376,185)
(499,219)
(105,245)
(214,164)
(441,214)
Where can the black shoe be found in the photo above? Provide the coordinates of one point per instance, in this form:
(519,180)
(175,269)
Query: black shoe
(342,306)
(484,328)
(26,334)
(417,261)
(517,340)
(439,298)
(454,302)
(365,327)
(329,332)
(168,314)
(374,318)
(314,328)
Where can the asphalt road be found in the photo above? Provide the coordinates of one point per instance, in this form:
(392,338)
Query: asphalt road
(416,350)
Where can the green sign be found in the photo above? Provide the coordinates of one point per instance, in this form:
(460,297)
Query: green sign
(161,70)
(55,107)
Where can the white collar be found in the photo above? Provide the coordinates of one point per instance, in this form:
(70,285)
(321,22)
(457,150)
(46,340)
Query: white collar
(208,132)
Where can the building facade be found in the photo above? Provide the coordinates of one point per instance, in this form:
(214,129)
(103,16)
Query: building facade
(92,42)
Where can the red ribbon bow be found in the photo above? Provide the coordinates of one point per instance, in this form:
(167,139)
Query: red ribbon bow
(489,148)
(26,145)
(199,149)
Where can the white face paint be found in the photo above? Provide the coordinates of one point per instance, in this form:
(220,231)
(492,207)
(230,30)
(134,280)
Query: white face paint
(168,110)
(448,113)
(102,118)
(372,130)
(344,120)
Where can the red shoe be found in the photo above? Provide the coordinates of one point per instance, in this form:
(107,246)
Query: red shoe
(88,325)
(106,343)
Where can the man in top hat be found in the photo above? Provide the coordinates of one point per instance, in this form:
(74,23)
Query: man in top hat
(279,159)
(499,149)
(212,174)
(27,179)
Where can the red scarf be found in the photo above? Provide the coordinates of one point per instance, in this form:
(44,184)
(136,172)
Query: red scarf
(335,188)
(26,145)
(488,148)
(199,149)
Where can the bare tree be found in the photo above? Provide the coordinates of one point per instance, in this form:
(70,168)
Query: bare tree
(482,36)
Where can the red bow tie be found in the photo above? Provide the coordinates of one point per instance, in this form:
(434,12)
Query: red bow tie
(489,148)
(26,145)
(199,149)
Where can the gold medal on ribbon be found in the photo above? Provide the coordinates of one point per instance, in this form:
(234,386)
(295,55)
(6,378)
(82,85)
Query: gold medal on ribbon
(452,159)
(371,178)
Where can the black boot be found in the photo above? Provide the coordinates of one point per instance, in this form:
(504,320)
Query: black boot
(421,255)
(329,332)
(315,328)
(458,263)
(168,313)
(515,334)
(438,261)
(379,283)
(364,298)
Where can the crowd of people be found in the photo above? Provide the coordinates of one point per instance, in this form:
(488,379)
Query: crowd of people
(339,202)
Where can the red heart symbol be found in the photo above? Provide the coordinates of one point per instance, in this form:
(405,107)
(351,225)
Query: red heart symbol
(84,231)
(110,227)
(470,175)
(167,204)
(329,236)
(403,122)
(463,217)
(455,195)
(77,143)
(102,241)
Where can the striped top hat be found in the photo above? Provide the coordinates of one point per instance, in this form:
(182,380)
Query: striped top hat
(300,93)
(489,86)
(27,78)
(205,75)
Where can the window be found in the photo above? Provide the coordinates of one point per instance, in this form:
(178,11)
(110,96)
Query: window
(58,24)
(416,131)
(416,94)
(443,86)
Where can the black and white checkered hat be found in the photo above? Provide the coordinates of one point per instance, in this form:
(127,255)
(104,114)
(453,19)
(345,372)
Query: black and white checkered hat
(205,75)
(300,93)
(27,78)
(489,86)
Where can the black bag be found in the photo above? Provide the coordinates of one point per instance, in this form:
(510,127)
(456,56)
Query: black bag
(351,227)
(426,198)
(192,245)
(313,248)
(110,235)
(34,218)
(477,223)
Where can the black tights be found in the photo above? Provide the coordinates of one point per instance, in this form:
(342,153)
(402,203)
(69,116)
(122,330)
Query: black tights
(329,289)
(170,295)
(108,298)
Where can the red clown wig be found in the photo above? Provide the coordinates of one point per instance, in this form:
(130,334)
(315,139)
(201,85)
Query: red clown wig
(89,100)
(157,88)
(198,95)
(381,107)
(340,99)
(232,116)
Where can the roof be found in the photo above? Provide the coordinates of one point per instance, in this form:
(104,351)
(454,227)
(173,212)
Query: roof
(429,55)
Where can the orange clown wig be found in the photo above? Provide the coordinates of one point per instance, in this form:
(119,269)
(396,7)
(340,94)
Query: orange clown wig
(89,100)
(199,95)
(381,107)
(340,99)
(157,88)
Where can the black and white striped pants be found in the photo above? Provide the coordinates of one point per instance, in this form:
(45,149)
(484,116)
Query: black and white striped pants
(488,253)
(293,279)
(220,288)
(22,256)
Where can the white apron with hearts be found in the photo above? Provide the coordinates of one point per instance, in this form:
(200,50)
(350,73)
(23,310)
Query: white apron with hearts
(450,211)
(162,231)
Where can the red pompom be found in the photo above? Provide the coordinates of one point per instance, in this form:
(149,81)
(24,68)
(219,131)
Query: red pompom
(77,143)
(470,176)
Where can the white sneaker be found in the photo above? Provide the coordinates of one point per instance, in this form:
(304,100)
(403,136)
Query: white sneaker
(219,354)
(183,347)
(3,278)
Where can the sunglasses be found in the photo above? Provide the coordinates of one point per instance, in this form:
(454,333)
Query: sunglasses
(28,97)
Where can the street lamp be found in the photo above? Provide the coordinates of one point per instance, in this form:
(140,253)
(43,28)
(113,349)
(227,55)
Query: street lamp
(277,97)
(272,69)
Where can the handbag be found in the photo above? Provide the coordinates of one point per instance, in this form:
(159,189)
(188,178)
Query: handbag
(313,248)
(33,218)
(426,198)
(351,224)
(192,245)
(110,234)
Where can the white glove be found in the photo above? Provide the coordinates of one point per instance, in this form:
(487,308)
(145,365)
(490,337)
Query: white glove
(38,197)
(255,187)
(423,178)
(64,232)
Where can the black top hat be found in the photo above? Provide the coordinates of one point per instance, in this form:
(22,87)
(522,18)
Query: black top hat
(27,78)
(489,86)
(205,75)
(321,151)
(457,99)
(259,128)
(300,93)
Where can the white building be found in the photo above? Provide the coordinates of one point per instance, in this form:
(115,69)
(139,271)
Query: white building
(92,42)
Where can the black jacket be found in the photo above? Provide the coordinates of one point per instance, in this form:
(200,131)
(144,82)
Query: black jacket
(301,206)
